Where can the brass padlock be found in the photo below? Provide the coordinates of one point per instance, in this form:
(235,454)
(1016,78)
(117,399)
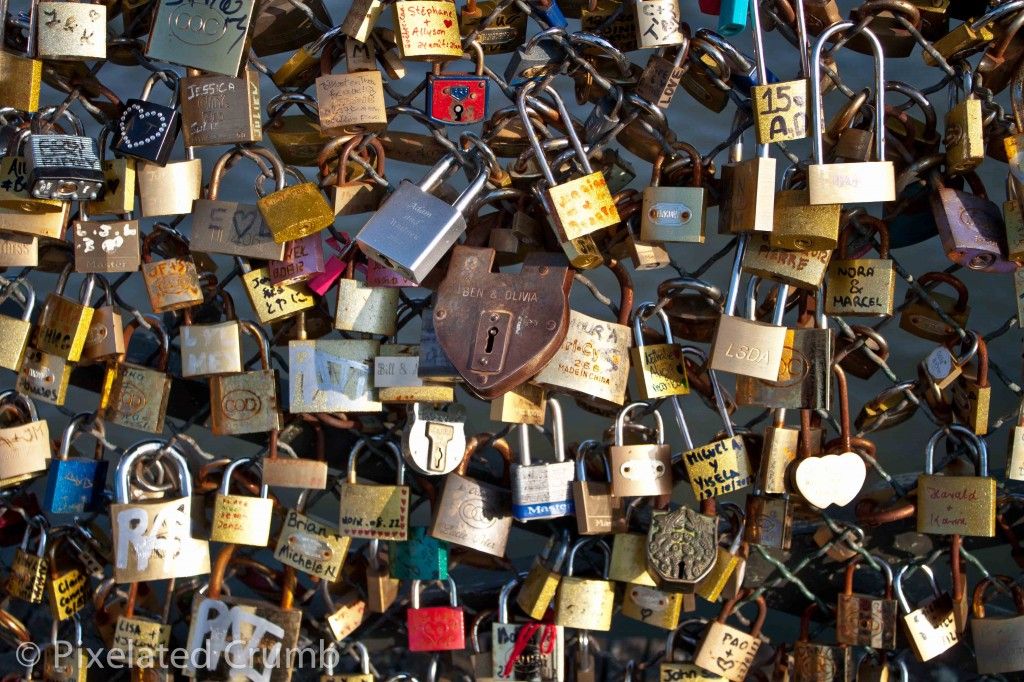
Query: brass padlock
(675,214)
(70,30)
(169,189)
(862,286)
(64,323)
(351,195)
(644,469)
(213,38)
(815,662)
(105,338)
(106,245)
(658,368)
(219,110)
(427,30)
(965,505)
(728,651)
(295,212)
(931,629)
(246,402)
(799,226)
(921,320)
(863,620)
(241,519)
(136,395)
(585,603)
(349,102)
(20,81)
(172,283)
(15,332)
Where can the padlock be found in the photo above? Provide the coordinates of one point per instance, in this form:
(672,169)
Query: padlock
(654,606)
(972,393)
(352,196)
(862,286)
(889,23)
(64,323)
(435,628)
(674,214)
(222,50)
(864,620)
(726,575)
(747,203)
(644,469)
(303,262)
(857,182)
(540,584)
(428,226)
(498,357)
(294,471)
(427,30)
(971,227)
(920,319)
(820,662)
(420,557)
(996,639)
(543,491)
(75,485)
(799,226)
(221,109)
(931,629)
(769,520)
(964,505)
(458,98)
(678,566)
(64,167)
(525,650)
(27,580)
(534,57)
(505,28)
(308,544)
(728,651)
(170,189)
(172,283)
(374,511)
(296,138)
(723,465)
(661,76)
(704,79)
(241,519)
(20,80)
(295,211)
(434,439)
(147,130)
(243,634)
(349,102)
(592,359)
(366,309)
(472,513)
(66,660)
(381,588)
(964,140)
(246,402)
(597,511)
(781,444)
(69,30)
(137,638)
(585,603)
(136,395)
(357,649)
(658,23)
(570,217)
(106,245)
(43,376)
(331,375)
(235,228)
(105,338)
(135,525)
(15,332)
(744,346)
(272,302)
(853,352)
(15,192)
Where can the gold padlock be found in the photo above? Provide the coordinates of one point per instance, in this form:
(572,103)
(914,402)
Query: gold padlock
(134,395)
(172,283)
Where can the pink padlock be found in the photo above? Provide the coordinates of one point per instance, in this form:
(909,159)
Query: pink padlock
(303,258)
(321,283)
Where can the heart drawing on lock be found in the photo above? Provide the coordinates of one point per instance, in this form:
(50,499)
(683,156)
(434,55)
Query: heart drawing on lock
(831,479)
(134,113)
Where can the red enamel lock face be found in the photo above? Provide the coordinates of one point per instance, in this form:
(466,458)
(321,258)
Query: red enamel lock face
(712,7)
(436,628)
(457,99)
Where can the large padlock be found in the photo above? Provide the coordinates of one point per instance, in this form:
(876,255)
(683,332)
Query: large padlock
(246,402)
(864,620)
(997,640)
(374,511)
(971,227)
(147,130)
(153,539)
(678,566)
(435,628)
(214,38)
(64,323)
(644,469)
(962,505)
(427,30)
(221,109)
(543,491)
(75,485)
(862,286)
(413,229)
(331,375)
(458,98)
(586,603)
(349,102)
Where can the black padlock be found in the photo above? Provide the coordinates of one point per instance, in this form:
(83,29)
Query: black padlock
(147,130)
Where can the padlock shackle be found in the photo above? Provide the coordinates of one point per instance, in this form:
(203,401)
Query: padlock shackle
(945,278)
(230,469)
(968,434)
(557,435)
(855,563)
(762,610)
(716,388)
(680,632)
(26,298)
(157,328)
(362,446)
(642,314)
(594,446)
(254,153)
(817,105)
(904,572)
(981,593)
(506,592)
(876,226)
(602,546)
(77,424)
(149,448)
(13,397)
(620,423)
(418,586)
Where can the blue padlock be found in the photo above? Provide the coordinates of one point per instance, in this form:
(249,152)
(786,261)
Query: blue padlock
(75,484)
(732,17)
(421,557)
(551,13)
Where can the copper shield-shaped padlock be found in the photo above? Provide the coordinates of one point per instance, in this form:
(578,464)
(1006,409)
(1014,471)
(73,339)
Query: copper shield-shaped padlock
(517,321)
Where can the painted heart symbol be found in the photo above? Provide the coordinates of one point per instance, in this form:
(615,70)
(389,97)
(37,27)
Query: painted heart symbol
(831,479)
(135,115)
(447,23)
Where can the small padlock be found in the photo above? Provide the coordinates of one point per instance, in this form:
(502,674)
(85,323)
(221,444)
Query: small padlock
(543,491)
(597,511)
(374,511)
(246,402)
(864,620)
(241,519)
(75,485)
(295,211)
(644,469)
(585,603)
(540,584)
(172,283)
(675,214)
(15,332)
(458,98)
(862,286)
(435,628)
(28,577)
(728,651)
(64,323)
(352,196)
(136,395)
(815,662)
(69,30)
(920,319)
(64,167)
(970,226)
(726,575)
(221,109)
(147,130)
(349,102)
(675,566)
(170,189)
(428,30)
(534,650)
(931,628)
(997,639)
(106,245)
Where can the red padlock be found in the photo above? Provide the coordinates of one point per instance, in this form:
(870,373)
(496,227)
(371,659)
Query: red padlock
(458,98)
(435,628)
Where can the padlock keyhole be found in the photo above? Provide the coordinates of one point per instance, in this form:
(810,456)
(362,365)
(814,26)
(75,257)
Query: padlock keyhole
(491,334)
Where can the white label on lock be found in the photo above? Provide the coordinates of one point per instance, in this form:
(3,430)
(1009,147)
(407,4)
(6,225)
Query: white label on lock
(642,469)
(396,371)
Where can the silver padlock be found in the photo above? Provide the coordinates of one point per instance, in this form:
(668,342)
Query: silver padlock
(543,491)
(64,167)
(434,439)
